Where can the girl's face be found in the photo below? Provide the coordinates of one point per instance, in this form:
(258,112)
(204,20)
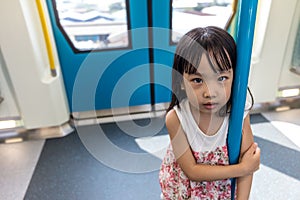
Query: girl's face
(208,91)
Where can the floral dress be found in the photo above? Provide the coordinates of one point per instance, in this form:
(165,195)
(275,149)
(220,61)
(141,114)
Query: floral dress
(210,150)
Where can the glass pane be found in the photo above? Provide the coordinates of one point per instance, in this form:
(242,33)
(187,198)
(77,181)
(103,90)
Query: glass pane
(296,52)
(94,24)
(188,14)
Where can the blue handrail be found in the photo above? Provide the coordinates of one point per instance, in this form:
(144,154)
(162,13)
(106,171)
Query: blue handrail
(245,33)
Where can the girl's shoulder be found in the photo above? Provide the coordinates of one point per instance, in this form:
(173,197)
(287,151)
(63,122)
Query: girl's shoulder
(171,118)
(172,122)
(175,115)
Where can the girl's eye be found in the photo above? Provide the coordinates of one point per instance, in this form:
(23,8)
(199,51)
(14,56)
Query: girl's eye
(222,78)
(197,80)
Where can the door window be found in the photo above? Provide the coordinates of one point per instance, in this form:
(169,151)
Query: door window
(93,24)
(189,14)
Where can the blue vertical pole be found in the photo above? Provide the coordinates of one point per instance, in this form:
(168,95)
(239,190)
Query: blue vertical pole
(245,33)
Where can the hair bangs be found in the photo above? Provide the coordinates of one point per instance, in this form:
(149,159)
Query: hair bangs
(193,58)
(219,58)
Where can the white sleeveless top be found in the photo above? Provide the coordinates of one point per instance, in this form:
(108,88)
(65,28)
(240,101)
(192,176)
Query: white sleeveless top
(199,141)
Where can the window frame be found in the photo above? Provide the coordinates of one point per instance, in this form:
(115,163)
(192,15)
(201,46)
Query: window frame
(76,50)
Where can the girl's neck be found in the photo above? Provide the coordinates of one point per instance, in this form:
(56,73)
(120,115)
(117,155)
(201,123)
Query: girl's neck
(209,123)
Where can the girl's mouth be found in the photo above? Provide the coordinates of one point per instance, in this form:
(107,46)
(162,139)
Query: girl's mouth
(210,106)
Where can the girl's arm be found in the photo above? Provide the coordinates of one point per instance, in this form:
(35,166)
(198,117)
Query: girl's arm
(244,183)
(201,172)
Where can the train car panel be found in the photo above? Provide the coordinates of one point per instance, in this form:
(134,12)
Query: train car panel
(40,95)
(271,61)
(290,73)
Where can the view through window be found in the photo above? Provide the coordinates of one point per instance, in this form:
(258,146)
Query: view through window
(189,14)
(94,24)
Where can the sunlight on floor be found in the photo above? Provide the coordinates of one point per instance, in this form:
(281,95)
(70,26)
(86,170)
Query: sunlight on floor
(290,130)
(155,145)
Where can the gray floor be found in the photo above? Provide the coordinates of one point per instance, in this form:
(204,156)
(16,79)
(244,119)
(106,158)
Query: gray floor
(279,174)
(17,163)
(125,166)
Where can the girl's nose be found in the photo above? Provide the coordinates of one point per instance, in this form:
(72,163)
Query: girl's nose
(209,92)
(208,95)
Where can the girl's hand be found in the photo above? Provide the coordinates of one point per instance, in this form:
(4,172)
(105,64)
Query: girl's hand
(250,160)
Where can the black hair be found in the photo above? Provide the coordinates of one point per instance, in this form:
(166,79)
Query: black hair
(216,43)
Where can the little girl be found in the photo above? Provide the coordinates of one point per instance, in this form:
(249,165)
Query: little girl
(196,164)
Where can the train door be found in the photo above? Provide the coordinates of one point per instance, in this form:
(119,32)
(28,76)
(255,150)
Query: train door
(172,19)
(103,51)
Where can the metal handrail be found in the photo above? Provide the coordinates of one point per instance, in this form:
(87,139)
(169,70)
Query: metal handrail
(46,37)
